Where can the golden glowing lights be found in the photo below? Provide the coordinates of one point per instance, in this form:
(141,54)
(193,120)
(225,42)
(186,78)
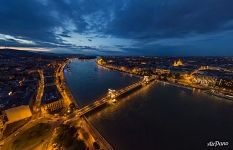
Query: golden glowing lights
(178,63)
(100,61)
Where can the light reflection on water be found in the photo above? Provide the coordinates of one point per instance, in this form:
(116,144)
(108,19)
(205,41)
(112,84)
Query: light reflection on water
(113,107)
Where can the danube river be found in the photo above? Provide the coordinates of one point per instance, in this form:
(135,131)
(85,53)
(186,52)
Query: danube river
(88,82)
(159,116)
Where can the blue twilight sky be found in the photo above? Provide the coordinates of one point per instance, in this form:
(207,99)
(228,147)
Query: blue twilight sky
(119,27)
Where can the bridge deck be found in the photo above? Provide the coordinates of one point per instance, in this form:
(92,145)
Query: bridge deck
(105,99)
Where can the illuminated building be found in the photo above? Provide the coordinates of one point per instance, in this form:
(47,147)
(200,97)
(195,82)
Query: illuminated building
(53,105)
(204,80)
(1,124)
(162,71)
(100,61)
(178,63)
(17,113)
(13,115)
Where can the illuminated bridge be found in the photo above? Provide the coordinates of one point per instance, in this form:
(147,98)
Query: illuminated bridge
(113,94)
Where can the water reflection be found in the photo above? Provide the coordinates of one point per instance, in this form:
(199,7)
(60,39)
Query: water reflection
(113,107)
(165,117)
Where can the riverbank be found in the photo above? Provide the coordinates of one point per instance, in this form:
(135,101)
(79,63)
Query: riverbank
(115,69)
(88,126)
(178,84)
(66,87)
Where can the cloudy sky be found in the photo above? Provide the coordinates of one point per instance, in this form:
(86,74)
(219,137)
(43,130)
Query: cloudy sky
(119,27)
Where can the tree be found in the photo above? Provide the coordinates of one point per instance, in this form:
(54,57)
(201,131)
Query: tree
(96,145)
(67,138)
(177,76)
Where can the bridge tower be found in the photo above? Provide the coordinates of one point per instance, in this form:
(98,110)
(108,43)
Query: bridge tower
(145,80)
(112,94)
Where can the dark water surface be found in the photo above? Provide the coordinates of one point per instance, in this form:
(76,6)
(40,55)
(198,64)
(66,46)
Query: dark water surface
(157,117)
(88,82)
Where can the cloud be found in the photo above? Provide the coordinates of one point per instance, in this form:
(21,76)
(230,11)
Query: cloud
(39,49)
(28,19)
(193,39)
(119,26)
(16,39)
(159,18)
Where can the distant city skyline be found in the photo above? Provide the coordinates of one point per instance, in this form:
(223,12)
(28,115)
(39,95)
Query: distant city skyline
(119,27)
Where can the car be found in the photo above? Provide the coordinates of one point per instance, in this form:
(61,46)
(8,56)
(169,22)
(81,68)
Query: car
(16,133)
